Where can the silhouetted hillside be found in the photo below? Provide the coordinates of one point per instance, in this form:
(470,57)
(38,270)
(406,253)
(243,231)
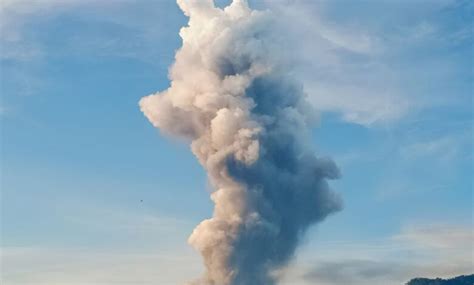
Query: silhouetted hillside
(460,280)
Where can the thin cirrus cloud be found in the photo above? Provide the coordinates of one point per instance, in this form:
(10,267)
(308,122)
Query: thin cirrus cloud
(113,28)
(436,250)
(364,70)
(341,63)
(139,246)
(78,266)
(433,250)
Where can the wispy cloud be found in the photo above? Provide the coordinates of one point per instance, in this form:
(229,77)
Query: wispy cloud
(80,266)
(357,272)
(442,149)
(120,28)
(446,238)
(368,72)
(361,70)
(15,16)
(436,250)
(136,246)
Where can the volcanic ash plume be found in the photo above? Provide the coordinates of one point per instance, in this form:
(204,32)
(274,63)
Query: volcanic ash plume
(247,121)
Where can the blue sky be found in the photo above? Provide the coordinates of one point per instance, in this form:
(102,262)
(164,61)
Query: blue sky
(93,194)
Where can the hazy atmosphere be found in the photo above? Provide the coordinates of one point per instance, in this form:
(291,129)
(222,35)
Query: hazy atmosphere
(259,142)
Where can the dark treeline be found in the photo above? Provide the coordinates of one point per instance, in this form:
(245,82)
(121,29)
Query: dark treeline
(460,280)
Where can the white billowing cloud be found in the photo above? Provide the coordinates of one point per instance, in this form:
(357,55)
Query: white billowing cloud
(232,95)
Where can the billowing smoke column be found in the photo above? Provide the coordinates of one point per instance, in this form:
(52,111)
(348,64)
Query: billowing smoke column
(247,120)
